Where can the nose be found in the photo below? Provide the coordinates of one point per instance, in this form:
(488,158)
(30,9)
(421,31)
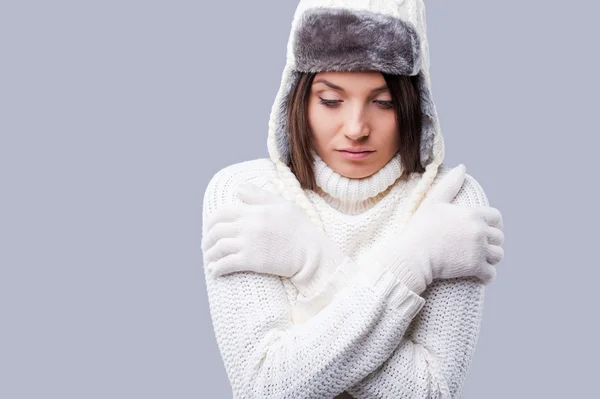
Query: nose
(356,126)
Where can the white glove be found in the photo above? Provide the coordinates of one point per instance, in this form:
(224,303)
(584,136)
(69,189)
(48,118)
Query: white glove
(445,240)
(268,234)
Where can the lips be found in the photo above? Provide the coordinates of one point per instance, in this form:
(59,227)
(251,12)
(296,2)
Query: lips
(356,151)
(355,155)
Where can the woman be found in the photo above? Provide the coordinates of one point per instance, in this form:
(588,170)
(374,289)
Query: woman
(350,262)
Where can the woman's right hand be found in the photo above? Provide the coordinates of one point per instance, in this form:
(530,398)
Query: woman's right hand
(445,240)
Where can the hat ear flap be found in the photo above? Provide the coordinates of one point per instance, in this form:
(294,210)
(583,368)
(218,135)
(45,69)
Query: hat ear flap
(427,119)
(282,132)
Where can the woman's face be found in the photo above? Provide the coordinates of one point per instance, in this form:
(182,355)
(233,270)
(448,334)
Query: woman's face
(353,122)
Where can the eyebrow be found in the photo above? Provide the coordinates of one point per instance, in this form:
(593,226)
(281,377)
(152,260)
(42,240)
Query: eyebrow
(338,88)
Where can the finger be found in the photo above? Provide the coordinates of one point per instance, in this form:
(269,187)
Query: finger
(225,213)
(487,274)
(221,249)
(495,254)
(229,264)
(252,194)
(495,236)
(219,231)
(449,185)
(492,216)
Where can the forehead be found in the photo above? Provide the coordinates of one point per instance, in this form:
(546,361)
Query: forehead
(351,81)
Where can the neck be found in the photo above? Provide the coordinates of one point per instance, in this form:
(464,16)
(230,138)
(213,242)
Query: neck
(355,195)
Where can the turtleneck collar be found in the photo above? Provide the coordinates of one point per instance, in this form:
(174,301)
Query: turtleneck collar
(353,195)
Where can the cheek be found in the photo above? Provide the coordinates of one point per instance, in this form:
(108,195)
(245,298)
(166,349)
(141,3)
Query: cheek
(389,128)
(322,124)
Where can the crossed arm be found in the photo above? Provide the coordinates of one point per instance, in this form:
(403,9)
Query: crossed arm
(370,340)
(432,359)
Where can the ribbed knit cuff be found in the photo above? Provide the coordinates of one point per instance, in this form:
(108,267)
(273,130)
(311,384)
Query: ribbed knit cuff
(347,277)
(398,295)
(406,268)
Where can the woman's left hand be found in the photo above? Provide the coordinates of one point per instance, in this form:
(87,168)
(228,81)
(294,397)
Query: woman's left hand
(267,234)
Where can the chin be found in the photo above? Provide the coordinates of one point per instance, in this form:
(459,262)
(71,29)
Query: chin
(356,171)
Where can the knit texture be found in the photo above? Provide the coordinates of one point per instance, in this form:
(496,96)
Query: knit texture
(359,329)
(374,338)
(350,192)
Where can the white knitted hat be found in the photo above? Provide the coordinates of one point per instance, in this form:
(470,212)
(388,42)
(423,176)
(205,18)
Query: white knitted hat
(353,35)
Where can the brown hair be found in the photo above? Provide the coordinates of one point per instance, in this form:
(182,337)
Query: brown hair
(404,91)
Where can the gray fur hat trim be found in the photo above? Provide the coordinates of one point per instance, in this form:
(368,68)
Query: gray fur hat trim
(336,39)
(354,40)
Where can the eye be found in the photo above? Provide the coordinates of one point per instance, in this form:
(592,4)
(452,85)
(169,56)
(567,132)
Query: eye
(329,103)
(385,104)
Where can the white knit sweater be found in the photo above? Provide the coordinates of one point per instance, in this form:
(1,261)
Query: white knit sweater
(376,339)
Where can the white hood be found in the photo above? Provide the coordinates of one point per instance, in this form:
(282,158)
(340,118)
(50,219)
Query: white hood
(346,35)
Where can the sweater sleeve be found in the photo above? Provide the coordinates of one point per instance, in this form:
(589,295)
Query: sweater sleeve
(266,355)
(433,358)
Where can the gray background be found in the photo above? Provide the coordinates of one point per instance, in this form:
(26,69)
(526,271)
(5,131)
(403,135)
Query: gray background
(115,114)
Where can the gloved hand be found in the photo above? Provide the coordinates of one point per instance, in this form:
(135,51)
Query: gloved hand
(445,240)
(268,234)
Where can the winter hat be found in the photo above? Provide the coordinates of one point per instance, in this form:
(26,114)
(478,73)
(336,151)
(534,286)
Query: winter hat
(354,35)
